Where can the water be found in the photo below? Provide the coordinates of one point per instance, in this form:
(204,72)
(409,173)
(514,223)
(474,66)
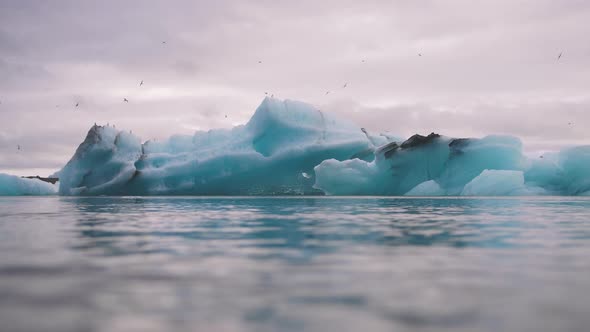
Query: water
(294,264)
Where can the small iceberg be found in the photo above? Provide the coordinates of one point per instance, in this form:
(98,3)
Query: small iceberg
(11,185)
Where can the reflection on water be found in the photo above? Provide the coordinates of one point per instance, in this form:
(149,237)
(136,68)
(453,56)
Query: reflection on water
(292,264)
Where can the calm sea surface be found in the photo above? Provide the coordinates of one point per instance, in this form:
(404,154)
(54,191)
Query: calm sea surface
(294,264)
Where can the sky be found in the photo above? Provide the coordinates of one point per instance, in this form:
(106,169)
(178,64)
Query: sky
(461,68)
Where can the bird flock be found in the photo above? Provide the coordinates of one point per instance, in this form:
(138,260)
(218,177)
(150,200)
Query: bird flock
(344,86)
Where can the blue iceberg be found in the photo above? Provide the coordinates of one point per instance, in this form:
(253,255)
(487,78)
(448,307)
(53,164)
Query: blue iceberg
(292,148)
(273,154)
(435,165)
(11,185)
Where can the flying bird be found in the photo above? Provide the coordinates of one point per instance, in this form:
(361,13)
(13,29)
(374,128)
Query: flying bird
(77,104)
(327,92)
(559,56)
(226,116)
(345,85)
(259,61)
(419,54)
(141,83)
(18,147)
(125,100)
(164,42)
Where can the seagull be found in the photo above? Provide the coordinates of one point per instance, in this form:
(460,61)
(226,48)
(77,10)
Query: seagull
(141,83)
(419,54)
(77,104)
(259,61)
(363,60)
(266,93)
(569,123)
(345,85)
(125,100)
(559,56)
(327,92)
(18,147)
(164,42)
(226,116)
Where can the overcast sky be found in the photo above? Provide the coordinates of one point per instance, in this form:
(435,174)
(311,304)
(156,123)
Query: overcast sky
(485,67)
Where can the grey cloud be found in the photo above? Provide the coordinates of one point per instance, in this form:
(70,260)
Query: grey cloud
(486,67)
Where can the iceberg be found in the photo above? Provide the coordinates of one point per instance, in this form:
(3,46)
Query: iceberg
(11,185)
(435,165)
(273,154)
(292,148)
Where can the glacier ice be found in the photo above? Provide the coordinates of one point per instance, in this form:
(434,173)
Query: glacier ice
(398,168)
(11,185)
(427,188)
(435,165)
(274,153)
(496,183)
(290,147)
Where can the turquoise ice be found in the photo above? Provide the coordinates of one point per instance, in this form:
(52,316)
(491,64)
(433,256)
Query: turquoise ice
(11,185)
(274,153)
(292,148)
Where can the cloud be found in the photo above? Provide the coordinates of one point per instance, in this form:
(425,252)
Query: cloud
(486,67)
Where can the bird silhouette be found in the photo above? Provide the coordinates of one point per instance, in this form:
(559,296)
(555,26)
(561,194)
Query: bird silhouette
(327,92)
(125,100)
(164,42)
(345,85)
(559,56)
(141,83)
(419,54)
(259,61)
(226,116)
(18,147)
(77,104)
